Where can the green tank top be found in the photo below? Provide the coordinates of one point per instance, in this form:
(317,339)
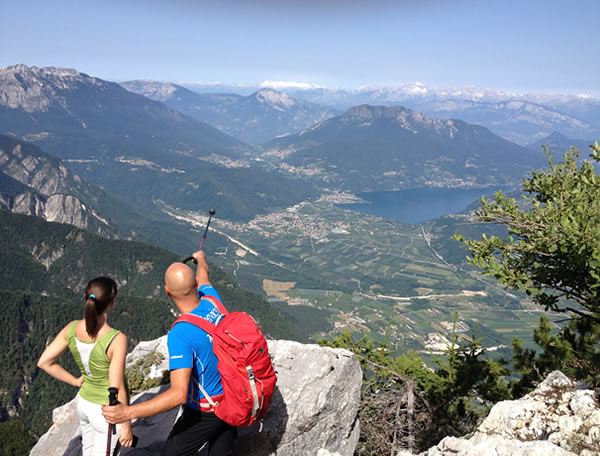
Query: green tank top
(94,363)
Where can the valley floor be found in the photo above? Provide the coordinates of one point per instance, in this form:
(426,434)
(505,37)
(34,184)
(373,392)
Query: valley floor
(331,270)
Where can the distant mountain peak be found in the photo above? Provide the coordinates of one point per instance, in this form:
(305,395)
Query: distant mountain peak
(34,89)
(555,136)
(274,98)
(391,147)
(159,91)
(399,116)
(62,77)
(389,120)
(39,71)
(254,118)
(376,110)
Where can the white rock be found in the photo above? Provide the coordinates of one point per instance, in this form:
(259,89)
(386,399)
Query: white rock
(314,410)
(65,427)
(547,422)
(583,404)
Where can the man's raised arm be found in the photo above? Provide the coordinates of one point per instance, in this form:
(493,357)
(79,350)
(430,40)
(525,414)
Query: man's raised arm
(201,269)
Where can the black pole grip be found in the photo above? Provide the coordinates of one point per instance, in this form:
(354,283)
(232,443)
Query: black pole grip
(112,400)
(112,395)
(190,259)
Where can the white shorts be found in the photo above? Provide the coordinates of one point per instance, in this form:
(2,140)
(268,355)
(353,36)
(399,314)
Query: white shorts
(94,429)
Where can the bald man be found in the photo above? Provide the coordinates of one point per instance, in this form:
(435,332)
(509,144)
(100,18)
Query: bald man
(191,362)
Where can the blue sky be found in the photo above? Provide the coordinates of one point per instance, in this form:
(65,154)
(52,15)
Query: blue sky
(524,46)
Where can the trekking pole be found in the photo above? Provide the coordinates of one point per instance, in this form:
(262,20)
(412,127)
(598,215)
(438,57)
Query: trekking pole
(211,213)
(112,429)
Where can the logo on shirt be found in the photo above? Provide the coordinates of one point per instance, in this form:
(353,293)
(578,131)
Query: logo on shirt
(176,356)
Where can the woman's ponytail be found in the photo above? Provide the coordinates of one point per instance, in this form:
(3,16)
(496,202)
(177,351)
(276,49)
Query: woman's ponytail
(91,316)
(99,294)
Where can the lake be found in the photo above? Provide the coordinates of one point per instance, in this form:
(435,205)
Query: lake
(418,205)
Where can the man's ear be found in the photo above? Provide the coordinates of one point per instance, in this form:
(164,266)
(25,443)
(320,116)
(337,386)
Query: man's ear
(167,291)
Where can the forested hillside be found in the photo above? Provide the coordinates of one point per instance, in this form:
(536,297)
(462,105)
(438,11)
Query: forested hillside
(45,267)
(33,182)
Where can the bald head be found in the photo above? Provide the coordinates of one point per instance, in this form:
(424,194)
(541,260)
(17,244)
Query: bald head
(180,281)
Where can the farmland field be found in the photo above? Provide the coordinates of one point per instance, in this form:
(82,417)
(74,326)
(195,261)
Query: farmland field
(331,270)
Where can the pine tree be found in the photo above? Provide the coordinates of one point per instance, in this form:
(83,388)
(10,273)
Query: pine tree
(552,253)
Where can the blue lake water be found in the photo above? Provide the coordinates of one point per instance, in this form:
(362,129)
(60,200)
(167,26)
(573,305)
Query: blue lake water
(418,205)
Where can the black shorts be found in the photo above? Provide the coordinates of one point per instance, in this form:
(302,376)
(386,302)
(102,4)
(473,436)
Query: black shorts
(193,429)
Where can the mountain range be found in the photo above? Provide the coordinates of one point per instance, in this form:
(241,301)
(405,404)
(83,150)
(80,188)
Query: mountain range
(521,118)
(388,148)
(55,104)
(136,147)
(150,154)
(33,182)
(255,118)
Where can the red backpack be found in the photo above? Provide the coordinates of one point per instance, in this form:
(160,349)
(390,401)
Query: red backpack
(247,374)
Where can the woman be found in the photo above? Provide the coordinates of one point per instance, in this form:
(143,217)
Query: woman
(99,351)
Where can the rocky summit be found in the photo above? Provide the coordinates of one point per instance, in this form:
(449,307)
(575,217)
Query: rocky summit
(314,410)
(559,418)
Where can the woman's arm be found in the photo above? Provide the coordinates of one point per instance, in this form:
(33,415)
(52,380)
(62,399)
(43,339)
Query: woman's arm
(49,359)
(117,353)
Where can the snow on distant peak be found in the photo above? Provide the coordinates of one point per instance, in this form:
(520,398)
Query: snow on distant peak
(210,84)
(281,85)
(472,92)
(418,88)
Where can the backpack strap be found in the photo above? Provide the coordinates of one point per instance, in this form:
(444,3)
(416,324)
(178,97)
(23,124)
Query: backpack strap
(210,328)
(197,321)
(201,322)
(216,302)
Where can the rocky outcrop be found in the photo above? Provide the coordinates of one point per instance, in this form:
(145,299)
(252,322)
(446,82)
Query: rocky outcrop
(38,184)
(314,410)
(316,405)
(34,89)
(65,428)
(559,418)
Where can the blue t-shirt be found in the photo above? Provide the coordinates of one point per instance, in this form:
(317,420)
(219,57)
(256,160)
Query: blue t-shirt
(191,346)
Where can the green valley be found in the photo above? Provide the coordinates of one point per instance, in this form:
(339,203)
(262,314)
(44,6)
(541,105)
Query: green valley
(329,269)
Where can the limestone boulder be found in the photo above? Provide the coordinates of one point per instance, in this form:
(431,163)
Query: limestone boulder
(64,429)
(314,410)
(559,418)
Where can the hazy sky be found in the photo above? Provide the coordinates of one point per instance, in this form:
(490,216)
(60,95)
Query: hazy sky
(520,45)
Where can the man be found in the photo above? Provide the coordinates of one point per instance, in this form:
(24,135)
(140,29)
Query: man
(191,361)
